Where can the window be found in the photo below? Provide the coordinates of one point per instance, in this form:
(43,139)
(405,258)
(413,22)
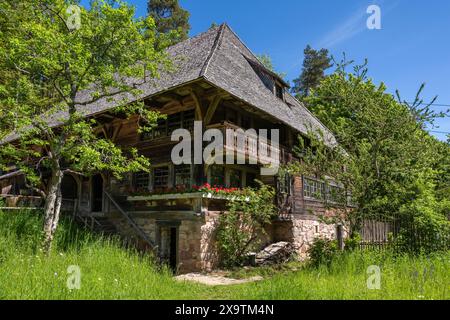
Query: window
(320,190)
(183,175)
(165,127)
(217,175)
(161,177)
(235,178)
(173,122)
(141,180)
(279,91)
(313,189)
(284,183)
(188,120)
(159,131)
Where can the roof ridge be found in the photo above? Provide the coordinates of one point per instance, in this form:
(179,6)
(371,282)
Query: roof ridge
(216,44)
(255,57)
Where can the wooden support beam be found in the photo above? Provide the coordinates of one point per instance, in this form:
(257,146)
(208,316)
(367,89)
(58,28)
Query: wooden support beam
(212,109)
(198,106)
(116,132)
(173,96)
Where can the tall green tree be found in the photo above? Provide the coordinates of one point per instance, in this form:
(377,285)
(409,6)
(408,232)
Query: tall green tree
(393,167)
(170,18)
(314,65)
(59,58)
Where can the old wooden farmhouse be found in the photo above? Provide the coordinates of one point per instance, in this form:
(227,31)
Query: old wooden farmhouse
(220,82)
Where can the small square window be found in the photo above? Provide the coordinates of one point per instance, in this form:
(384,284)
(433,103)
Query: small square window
(141,180)
(188,120)
(279,91)
(161,177)
(183,175)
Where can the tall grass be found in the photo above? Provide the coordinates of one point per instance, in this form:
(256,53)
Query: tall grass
(404,277)
(108,271)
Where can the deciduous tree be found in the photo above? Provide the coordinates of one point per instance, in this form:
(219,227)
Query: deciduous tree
(59,60)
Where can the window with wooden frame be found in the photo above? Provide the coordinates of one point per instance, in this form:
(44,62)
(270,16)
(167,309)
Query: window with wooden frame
(165,127)
(141,180)
(160,177)
(182,175)
(313,189)
(174,122)
(217,175)
(279,91)
(188,120)
(160,130)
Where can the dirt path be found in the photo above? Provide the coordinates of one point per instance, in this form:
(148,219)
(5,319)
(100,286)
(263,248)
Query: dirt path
(215,280)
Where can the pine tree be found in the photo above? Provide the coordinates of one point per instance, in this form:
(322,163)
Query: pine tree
(169,17)
(314,66)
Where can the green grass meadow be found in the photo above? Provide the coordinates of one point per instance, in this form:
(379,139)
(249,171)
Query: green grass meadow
(109,271)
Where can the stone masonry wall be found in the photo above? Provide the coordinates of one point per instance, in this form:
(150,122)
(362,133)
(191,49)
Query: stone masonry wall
(197,249)
(306,230)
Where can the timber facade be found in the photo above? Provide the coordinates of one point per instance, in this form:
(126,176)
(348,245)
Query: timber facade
(218,81)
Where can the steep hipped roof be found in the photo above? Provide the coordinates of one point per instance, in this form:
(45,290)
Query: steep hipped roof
(220,57)
(229,68)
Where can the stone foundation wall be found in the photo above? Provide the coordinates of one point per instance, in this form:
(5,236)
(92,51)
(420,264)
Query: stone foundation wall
(306,230)
(189,246)
(197,248)
(209,251)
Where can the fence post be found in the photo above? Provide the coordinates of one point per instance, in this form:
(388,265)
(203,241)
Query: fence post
(340,236)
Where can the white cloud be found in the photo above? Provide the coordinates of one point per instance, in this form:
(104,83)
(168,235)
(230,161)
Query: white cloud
(347,30)
(354,25)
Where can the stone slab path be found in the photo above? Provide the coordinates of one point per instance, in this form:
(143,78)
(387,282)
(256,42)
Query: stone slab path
(214,280)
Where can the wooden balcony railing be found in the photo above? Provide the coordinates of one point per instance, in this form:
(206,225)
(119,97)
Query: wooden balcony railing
(249,144)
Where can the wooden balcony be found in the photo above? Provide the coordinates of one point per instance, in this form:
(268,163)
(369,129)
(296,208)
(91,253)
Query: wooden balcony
(249,146)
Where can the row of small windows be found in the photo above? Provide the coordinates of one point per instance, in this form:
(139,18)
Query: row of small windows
(165,127)
(321,191)
(161,177)
(182,177)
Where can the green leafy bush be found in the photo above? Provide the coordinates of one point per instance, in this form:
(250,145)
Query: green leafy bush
(352,243)
(242,227)
(322,252)
(424,226)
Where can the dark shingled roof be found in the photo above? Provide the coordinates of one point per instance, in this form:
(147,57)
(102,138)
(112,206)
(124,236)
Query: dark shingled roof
(220,57)
(229,69)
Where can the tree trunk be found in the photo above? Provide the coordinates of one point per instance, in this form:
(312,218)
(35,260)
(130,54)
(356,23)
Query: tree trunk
(52,207)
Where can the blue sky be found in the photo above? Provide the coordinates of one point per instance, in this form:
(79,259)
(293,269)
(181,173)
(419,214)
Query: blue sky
(412,47)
